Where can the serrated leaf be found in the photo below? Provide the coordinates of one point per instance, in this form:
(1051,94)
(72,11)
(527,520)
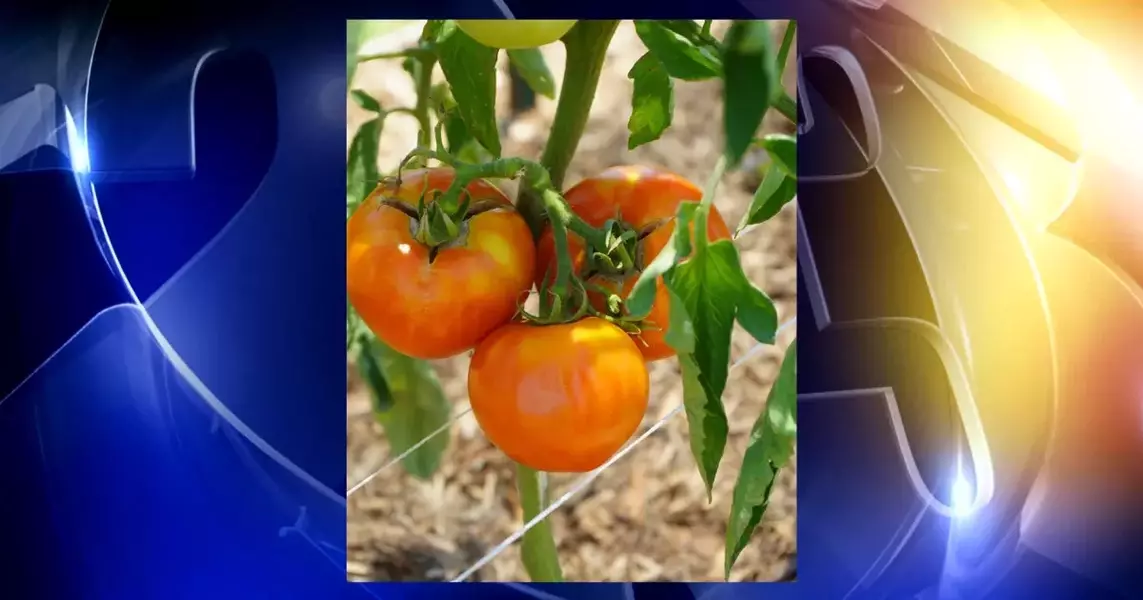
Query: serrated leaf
(361,171)
(652,102)
(750,83)
(366,101)
(776,190)
(708,285)
(642,296)
(769,450)
(683,58)
(418,407)
(783,149)
(706,419)
(756,312)
(529,63)
(715,292)
(470,69)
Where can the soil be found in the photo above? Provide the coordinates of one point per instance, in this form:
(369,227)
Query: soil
(647,517)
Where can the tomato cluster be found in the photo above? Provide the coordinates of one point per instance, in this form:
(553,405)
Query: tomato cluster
(558,397)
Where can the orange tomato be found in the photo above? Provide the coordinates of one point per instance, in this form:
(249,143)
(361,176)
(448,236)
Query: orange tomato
(438,307)
(559,398)
(643,199)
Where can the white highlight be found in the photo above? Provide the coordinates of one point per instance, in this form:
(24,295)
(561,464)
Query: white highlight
(961,497)
(76,146)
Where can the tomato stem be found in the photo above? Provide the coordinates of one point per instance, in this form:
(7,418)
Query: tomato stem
(787,107)
(787,44)
(538,549)
(417,52)
(700,233)
(586,46)
(424,80)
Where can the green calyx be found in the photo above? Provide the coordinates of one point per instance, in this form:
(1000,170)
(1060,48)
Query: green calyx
(435,227)
(619,253)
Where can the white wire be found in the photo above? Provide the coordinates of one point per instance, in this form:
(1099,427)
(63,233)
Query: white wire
(586,480)
(412,449)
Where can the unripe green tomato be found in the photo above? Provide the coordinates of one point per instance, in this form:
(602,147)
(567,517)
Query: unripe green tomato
(514,35)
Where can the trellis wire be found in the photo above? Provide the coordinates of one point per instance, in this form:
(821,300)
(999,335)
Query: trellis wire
(586,480)
(396,459)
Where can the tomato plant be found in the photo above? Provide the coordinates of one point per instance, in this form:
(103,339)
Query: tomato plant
(630,265)
(515,35)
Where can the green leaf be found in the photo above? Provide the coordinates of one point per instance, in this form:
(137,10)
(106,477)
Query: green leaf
(361,172)
(529,63)
(689,29)
(715,292)
(708,285)
(353,327)
(369,366)
(417,407)
(707,421)
(776,190)
(756,311)
(642,296)
(783,149)
(366,101)
(652,103)
(682,56)
(432,30)
(750,83)
(470,68)
(769,450)
(680,333)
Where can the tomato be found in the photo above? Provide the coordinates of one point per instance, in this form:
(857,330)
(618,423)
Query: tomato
(429,306)
(645,200)
(513,34)
(559,398)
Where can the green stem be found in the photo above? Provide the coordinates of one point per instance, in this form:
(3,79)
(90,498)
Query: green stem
(787,107)
(586,45)
(424,80)
(538,547)
(415,52)
(787,44)
(712,182)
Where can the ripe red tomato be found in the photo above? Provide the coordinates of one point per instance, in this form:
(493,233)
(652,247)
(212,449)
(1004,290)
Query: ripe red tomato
(645,199)
(559,398)
(438,307)
(513,34)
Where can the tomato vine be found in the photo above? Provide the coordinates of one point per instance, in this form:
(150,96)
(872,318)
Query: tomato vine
(707,290)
